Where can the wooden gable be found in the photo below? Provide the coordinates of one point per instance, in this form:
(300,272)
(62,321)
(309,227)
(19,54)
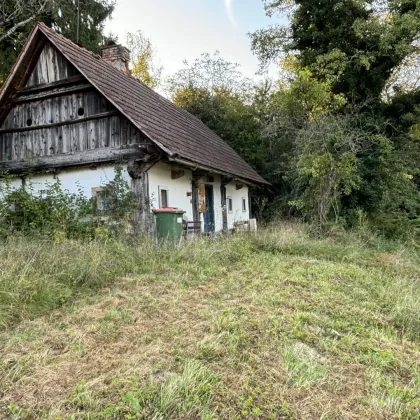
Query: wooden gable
(59,119)
(51,67)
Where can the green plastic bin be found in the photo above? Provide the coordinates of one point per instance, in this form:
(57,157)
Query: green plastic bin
(169,223)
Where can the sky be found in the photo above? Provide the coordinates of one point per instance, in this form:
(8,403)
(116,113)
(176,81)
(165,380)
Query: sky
(184,29)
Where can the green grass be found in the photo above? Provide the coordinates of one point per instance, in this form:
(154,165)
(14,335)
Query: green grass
(303,366)
(272,325)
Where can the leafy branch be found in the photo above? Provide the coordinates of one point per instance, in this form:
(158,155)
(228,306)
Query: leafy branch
(17,13)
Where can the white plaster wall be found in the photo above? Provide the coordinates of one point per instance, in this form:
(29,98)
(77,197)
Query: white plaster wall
(15,183)
(218,212)
(77,179)
(160,176)
(237,214)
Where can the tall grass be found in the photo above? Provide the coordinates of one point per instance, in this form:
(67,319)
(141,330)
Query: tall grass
(38,275)
(260,325)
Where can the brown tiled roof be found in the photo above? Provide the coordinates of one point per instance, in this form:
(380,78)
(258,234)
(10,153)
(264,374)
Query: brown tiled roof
(176,131)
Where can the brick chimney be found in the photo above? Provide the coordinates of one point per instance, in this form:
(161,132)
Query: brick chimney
(118,56)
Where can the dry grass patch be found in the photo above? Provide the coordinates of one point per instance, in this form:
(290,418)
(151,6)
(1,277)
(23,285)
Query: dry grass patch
(275,326)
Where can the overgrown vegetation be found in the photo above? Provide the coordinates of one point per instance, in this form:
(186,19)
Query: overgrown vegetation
(52,212)
(274,324)
(337,133)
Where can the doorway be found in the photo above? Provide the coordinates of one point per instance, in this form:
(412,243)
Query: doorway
(209,213)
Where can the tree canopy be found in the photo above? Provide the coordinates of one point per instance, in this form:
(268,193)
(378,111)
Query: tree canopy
(144,65)
(355,43)
(356,50)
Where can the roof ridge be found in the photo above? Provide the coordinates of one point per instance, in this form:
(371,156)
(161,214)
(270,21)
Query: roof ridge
(55,33)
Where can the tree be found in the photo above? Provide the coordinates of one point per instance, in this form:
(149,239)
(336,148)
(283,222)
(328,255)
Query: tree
(211,73)
(17,13)
(355,45)
(351,107)
(17,18)
(144,64)
(329,162)
(216,92)
(230,116)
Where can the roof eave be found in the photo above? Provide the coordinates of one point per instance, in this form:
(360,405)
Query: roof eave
(195,165)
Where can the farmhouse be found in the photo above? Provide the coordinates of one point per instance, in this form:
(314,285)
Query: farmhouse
(70,114)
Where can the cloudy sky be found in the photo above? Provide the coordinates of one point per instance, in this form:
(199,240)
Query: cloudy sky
(183,29)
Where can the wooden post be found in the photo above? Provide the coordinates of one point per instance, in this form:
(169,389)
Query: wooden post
(224,208)
(250,202)
(195,198)
(143,222)
(224,182)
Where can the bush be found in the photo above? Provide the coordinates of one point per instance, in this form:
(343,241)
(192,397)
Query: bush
(53,211)
(57,213)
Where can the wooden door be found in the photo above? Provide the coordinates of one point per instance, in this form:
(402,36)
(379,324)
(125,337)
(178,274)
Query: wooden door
(209,213)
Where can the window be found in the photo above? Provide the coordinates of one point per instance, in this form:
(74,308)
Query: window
(163,197)
(244,204)
(230,204)
(102,199)
(14,206)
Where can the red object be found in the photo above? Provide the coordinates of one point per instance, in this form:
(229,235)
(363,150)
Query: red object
(168,210)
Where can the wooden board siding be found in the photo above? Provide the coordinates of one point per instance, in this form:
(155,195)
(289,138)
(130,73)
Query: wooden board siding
(51,67)
(60,113)
(65,135)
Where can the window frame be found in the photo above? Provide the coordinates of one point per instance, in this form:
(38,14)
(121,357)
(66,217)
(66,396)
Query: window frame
(244,205)
(166,189)
(229,204)
(96,195)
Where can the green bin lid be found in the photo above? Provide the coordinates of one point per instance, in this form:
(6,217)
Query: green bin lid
(168,210)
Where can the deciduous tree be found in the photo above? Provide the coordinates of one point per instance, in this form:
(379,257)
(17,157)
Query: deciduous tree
(209,72)
(355,43)
(144,63)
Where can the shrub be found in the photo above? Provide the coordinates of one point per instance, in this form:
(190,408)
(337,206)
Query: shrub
(52,211)
(58,213)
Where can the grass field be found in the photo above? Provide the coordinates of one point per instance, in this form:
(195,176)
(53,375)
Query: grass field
(273,325)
